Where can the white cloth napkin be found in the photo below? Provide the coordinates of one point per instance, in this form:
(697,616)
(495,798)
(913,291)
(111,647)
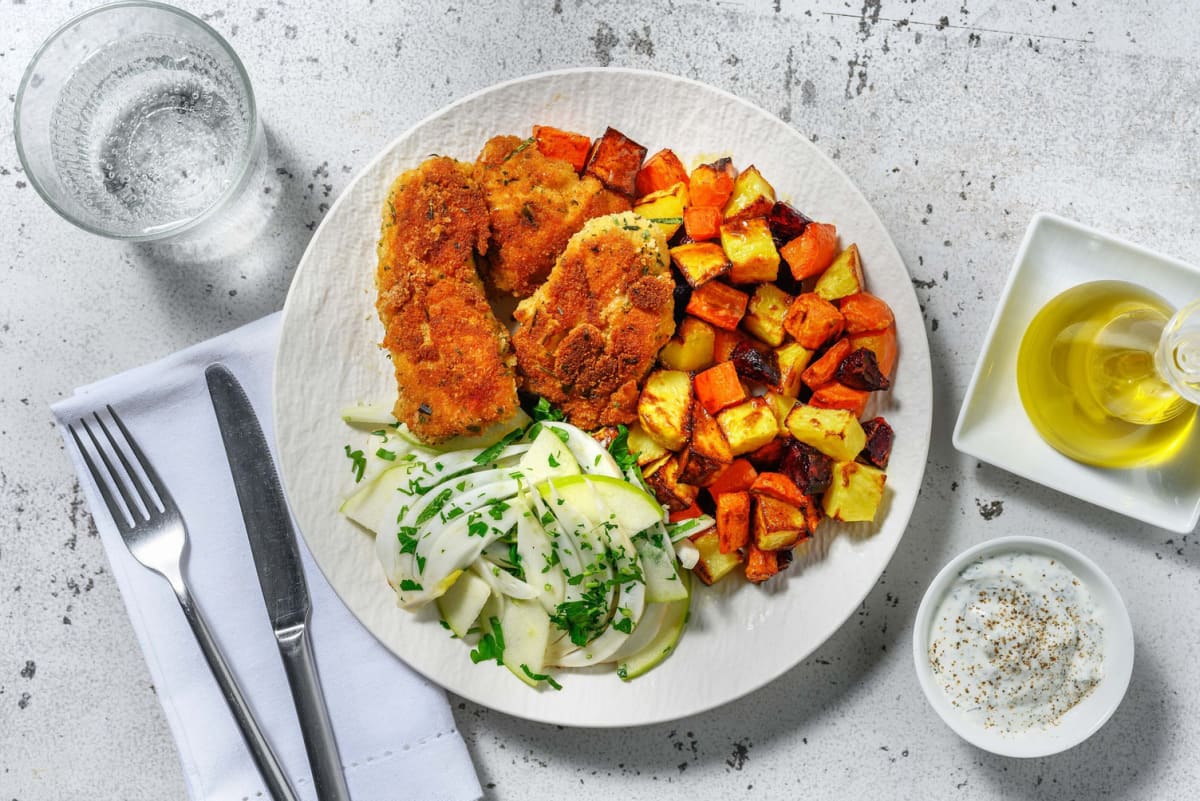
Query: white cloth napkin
(394,729)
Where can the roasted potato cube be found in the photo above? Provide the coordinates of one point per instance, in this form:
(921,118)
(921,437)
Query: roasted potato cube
(751,425)
(781,403)
(765,312)
(691,348)
(752,197)
(843,277)
(733,520)
(793,361)
(659,172)
(725,343)
(670,490)
(700,262)
(761,565)
(664,208)
(665,408)
(855,492)
(719,304)
(834,432)
(713,565)
(751,251)
(707,453)
(777,524)
(755,362)
(644,445)
(615,162)
(812,321)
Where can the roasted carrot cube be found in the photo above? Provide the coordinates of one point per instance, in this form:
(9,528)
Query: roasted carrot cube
(719,304)
(777,486)
(812,321)
(659,172)
(823,369)
(836,395)
(689,513)
(811,252)
(712,184)
(554,143)
(719,387)
(739,476)
(725,343)
(865,312)
(733,520)
(615,162)
(767,457)
(760,564)
(881,343)
(702,222)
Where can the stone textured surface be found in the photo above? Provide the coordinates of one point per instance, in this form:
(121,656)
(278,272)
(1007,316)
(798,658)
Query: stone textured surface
(958,120)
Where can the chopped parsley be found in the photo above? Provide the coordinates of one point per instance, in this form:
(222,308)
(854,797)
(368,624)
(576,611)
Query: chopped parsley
(619,449)
(583,619)
(540,677)
(491,646)
(552,461)
(435,506)
(544,410)
(384,453)
(410,585)
(489,454)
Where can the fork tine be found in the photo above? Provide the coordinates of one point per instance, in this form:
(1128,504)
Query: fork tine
(135,513)
(159,488)
(134,477)
(118,515)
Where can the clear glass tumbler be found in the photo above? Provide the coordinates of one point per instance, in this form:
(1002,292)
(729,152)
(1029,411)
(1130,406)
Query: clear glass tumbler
(137,121)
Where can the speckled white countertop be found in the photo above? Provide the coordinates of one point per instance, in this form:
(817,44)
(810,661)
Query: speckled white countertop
(958,120)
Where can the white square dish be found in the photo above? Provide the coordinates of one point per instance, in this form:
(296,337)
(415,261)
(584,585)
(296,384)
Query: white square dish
(1055,255)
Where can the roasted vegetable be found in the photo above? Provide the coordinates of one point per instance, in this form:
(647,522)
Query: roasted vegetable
(806,467)
(786,223)
(756,363)
(844,277)
(878,449)
(719,304)
(812,252)
(752,196)
(615,161)
(750,425)
(860,370)
(751,251)
(660,171)
(700,262)
(665,408)
(855,492)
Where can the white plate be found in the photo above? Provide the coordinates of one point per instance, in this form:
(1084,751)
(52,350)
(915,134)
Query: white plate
(740,636)
(1056,255)
(1085,718)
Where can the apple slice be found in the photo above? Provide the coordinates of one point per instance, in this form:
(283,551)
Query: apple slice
(664,641)
(598,497)
(463,601)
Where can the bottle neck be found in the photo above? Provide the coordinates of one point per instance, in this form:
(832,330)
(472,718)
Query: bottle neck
(1177,359)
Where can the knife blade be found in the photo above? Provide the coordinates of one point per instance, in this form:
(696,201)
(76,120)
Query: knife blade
(276,556)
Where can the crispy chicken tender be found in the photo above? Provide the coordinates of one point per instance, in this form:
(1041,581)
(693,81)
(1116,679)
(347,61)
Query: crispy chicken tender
(453,359)
(536,203)
(588,336)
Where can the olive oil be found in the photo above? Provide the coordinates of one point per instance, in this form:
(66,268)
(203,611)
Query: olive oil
(1087,377)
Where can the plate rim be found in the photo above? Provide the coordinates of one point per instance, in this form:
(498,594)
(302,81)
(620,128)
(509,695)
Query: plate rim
(918,349)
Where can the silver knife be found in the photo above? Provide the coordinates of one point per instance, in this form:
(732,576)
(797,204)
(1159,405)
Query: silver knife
(277,558)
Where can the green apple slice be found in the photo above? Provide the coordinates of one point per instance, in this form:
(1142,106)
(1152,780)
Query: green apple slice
(526,628)
(663,643)
(461,604)
(596,497)
(548,457)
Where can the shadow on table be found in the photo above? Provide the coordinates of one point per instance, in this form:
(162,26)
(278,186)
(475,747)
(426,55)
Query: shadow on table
(878,631)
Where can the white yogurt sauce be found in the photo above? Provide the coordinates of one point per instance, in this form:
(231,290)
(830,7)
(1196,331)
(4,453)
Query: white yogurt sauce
(1016,642)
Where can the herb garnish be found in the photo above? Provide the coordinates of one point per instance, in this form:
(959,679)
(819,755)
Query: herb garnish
(358,463)
(489,454)
(491,646)
(540,677)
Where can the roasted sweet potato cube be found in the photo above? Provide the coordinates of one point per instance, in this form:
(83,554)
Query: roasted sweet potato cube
(766,457)
(760,564)
(554,143)
(712,565)
(725,343)
(823,370)
(733,520)
(691,348)
(670,490)
(836,395)
(806,467)
(756,362)
(707,453)
(719,304)
(765,312)
(793,361)
(719,387)
(712,184)
(881,343)
(777,524)
(860,370)
(843,277)
(777,486)
(751,251)
(702,223)
(749,425)
(645,448)
(834,432)
(615,162)
(812,321)
(659,172)
(690,513)
(855,492)
(781,403)
(752,196)
(878,449)
(700,262)
(812,252)
(665,408)
(739,476)
(786,223)
(865,312)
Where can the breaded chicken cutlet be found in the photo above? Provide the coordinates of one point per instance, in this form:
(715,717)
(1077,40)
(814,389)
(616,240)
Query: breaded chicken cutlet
(453,359)
(536,204)
(588,336)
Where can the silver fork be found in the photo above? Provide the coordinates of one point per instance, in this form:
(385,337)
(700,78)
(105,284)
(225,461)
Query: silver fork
(157,537)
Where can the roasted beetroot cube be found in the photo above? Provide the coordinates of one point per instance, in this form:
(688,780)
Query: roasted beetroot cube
(878,449)
(860,370)
(807,467)
(755,363)
(786,223)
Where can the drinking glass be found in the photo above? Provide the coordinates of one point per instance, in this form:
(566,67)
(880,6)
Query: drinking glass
(137,121)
